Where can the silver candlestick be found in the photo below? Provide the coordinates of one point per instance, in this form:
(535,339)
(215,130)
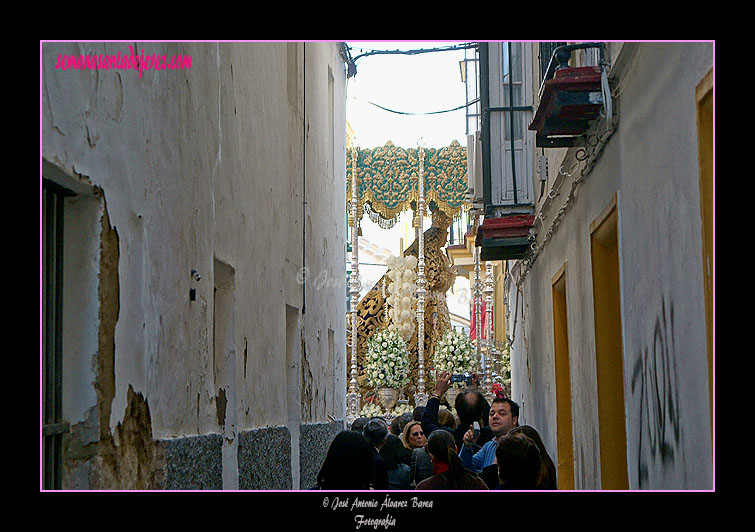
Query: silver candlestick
(420,397)
(489,290)
(352,398)
(477,297)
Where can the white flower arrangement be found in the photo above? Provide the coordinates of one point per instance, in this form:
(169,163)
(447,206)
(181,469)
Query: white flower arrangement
(401,271)
(374,409)
(454,353)
(501,370)
(387,360)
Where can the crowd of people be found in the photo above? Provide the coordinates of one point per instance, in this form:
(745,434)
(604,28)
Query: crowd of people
(482,447)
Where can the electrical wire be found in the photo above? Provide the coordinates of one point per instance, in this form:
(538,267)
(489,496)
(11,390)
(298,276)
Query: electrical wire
(419,114)
(606,90)
(352,71)
(370,52)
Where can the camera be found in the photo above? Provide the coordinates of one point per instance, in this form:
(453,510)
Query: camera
(465,377)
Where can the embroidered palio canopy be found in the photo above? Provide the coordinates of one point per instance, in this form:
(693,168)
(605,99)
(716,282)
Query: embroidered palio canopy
(388,177)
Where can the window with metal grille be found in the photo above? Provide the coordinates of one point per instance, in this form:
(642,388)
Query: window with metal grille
(546,51)
(458,229)
(510,107)
(53,427)
(470,75)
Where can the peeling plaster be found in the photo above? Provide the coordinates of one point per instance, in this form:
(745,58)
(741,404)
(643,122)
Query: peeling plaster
(153,346)
(135,451)
(306,383)
(221,403)
(109,303)
(98,458)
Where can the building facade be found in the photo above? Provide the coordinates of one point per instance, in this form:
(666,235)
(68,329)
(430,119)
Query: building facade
(609,304)
(186,208)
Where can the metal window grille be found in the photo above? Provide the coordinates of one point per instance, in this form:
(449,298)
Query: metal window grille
(505,73)
(546,51)
(513,99)
(458,229)
(53,427)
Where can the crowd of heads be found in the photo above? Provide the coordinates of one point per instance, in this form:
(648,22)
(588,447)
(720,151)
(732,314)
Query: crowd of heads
(518,455)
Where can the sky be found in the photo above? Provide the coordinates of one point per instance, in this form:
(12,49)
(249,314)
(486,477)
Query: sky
(421,83)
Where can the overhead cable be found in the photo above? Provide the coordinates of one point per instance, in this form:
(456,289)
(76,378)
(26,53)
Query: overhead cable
(414,52)
(420,114)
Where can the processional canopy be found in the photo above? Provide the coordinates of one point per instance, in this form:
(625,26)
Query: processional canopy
(388,179)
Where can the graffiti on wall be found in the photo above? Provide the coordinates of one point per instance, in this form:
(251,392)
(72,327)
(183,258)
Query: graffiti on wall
(655,384)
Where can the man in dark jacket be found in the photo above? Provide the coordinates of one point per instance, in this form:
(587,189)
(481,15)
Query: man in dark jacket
(376,433)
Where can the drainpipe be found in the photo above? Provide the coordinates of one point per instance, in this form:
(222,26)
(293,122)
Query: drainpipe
(511,121)
(304,182)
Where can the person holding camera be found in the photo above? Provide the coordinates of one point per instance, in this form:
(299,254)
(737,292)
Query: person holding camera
(503,416)
(469,406)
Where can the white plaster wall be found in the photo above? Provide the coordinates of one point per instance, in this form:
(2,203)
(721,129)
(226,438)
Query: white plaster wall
(207,163)
(651,164)
(82,245)
(664,307)
(324,371)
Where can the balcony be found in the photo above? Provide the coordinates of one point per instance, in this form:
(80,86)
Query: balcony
(506,237)
(571,98)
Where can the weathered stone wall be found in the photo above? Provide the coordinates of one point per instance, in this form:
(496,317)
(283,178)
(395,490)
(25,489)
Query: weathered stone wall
(230,175)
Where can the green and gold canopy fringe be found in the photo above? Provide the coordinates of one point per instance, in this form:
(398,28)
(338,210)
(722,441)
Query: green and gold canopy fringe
(387,179)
